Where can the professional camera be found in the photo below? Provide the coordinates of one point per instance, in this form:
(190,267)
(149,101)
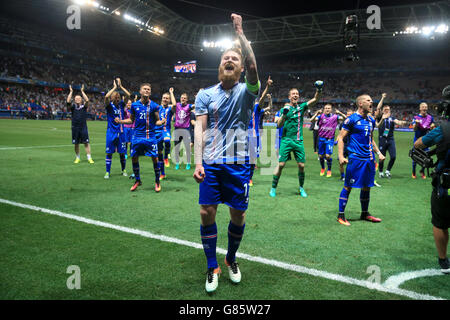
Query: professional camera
(351,37)
(444,106)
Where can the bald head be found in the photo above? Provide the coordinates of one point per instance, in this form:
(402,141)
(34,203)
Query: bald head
(361,98)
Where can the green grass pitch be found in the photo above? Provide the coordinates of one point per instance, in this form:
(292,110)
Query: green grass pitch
(36,166)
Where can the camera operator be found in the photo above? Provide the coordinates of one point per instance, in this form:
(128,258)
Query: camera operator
(440,199)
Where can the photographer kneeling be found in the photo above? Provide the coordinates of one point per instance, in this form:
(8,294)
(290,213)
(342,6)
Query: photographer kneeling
(440,199)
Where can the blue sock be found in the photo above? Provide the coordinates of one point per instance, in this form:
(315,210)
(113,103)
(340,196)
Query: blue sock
(329,162)
(157,171)
(343,199)
(166,149)
(322,163)
(209,241)
(414,168)
(235,234)
(123,161)
(364,197)
(342,175)
(161,163)
(136,171)
(108,161)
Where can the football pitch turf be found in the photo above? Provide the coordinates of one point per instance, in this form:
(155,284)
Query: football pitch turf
(146,245)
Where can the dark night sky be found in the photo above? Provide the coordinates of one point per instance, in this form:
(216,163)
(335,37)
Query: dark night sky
(214,11)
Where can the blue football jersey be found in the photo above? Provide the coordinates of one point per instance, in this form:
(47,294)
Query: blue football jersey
(253,126)
(144,119)
(360,131)
(112,112)
(166,113)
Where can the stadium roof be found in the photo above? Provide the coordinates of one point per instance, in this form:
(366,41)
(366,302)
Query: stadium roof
(288,34)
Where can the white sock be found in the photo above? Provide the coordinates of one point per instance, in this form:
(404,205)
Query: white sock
(78,156)
(88,156)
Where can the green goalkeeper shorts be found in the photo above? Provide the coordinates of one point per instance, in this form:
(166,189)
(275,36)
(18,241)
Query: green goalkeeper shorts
(287,146)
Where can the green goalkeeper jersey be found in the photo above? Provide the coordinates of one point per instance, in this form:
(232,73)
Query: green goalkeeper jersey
(293,125)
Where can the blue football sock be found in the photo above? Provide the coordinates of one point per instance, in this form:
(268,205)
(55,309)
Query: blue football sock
(123,161)
(364,197)
(108,161)
(166,149)
(157,171)
(209,241)
(136,171)
(343,199)
(322,163)
(161,163)
(235,234)
(329,162)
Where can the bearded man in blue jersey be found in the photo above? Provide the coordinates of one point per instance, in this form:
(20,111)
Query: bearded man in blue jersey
(222,163)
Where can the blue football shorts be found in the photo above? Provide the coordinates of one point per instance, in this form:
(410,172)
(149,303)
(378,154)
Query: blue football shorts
(144,147)
(225,183)
(115,142)
(360,173)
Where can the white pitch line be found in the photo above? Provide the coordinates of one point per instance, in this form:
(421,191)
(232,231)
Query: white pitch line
(270,262)
(397,280)
(36,147)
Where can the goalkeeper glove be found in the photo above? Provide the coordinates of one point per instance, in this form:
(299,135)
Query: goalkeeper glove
(319,85)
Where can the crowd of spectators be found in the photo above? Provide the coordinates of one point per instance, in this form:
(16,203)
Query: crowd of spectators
(36,68)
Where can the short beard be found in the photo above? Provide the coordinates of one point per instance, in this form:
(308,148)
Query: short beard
(229,79)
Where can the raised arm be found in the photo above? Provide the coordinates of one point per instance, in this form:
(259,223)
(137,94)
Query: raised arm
(69,97)
(110,92)
(119,83)
(173,100)
(251,70)
(380,104)
(266,90)
(85,97)
(319,86)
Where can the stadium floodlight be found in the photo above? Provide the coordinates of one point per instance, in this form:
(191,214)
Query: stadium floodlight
(442,28)
(426,31)
(221,44)
(80,2)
